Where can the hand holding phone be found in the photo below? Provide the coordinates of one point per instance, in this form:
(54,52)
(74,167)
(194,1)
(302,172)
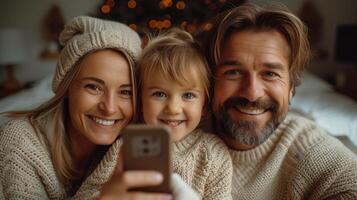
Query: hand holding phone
(147,147)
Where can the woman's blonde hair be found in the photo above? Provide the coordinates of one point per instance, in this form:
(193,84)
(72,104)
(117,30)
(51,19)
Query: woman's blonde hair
(173,55)
(49,123)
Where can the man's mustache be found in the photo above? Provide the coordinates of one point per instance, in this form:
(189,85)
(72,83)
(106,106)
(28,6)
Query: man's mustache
(265,104)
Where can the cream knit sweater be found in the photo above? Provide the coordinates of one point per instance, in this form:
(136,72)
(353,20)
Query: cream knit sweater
(299,161)
(27,172)
(203,162)
(201,159)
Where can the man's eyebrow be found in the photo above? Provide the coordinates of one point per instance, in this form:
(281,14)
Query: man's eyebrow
(230,62)
(274,65)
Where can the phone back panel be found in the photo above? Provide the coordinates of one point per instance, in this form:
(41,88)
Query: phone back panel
(147,147)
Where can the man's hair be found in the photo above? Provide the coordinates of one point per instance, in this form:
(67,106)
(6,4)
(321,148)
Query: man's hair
(251,17)
(173,55)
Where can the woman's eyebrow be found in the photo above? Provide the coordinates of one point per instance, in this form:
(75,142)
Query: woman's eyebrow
(93,79)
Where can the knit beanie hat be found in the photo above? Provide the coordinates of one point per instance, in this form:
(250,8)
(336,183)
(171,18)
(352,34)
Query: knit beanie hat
(84,34)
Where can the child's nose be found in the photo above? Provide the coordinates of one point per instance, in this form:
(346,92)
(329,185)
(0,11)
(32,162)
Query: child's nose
(173,107)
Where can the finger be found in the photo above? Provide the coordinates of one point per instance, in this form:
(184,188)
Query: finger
(149,196)
(141,178)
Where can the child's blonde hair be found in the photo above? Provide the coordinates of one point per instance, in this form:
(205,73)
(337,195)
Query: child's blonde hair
(173,55)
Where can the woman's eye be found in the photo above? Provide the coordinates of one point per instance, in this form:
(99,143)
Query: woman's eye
(128,93)
(158,94)
(188,95)
(94,88)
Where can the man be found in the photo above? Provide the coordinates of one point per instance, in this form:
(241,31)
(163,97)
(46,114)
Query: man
(257,55)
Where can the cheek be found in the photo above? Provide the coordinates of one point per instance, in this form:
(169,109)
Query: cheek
(222,91)
(194,111)
(151,110)
(126,107)
(280,93)
(79,103)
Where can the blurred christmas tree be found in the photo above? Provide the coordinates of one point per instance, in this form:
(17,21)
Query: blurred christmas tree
(155,15)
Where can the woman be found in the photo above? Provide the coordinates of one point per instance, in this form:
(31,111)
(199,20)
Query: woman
(60,149)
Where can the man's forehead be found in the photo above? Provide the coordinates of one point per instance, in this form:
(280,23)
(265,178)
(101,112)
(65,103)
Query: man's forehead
(267,45)
(254,39)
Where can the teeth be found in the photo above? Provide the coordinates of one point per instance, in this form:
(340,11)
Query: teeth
(172,122)
(103,121)
(250,111)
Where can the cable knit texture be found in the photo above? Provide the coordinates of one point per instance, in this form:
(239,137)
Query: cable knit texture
(26,169)
(27,172)
(201,159)
(84,34)
(299,161)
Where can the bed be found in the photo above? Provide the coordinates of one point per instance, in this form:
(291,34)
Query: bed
(314,98)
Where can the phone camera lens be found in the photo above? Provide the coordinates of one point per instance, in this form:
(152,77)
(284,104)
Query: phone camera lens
(146,150)
(145,141)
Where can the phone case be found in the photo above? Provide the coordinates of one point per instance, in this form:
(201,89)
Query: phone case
(147,147)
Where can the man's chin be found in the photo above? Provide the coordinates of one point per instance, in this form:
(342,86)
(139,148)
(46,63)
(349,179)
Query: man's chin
(248,132)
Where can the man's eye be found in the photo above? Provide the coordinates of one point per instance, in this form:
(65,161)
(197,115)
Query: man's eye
(93,88)
(232,74)
(271,74)
(159,94)
(188,95)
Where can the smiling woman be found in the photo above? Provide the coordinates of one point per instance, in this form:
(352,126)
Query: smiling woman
(69,147)
(47,152)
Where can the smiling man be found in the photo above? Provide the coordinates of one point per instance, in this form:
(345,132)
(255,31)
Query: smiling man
(258,55)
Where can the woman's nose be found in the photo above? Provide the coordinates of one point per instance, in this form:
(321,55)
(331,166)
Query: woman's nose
(108,104)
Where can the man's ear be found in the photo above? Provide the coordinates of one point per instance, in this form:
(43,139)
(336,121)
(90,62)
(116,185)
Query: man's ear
(291,93)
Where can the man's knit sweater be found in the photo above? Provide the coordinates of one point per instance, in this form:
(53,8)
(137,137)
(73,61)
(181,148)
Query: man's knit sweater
(299,161)
(27,172)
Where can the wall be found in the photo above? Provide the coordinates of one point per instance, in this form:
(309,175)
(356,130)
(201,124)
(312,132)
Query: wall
(28,15)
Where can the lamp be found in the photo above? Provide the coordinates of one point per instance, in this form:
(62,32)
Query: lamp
(12,52)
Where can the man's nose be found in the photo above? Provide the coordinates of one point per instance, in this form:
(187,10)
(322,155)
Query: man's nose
(251,88)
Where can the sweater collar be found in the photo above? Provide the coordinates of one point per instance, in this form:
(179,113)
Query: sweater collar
(186,143)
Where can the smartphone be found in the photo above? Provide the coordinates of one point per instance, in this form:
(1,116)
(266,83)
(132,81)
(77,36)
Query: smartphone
(147,147)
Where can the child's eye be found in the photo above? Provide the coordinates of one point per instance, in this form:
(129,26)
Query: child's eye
(159,94)
(188,95)
(94,88)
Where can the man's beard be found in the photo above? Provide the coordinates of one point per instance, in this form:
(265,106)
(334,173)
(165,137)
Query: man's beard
(245,132)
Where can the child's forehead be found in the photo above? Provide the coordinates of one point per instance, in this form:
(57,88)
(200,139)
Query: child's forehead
(189,79)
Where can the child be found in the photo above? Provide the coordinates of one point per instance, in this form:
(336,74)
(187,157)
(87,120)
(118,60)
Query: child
(173,89)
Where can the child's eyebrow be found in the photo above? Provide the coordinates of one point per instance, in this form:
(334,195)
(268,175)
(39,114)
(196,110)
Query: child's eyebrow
(154,87)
